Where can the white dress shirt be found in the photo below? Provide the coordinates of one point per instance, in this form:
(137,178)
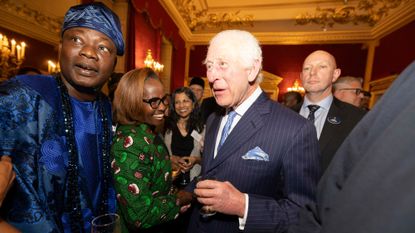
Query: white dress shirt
(320,115)
(240,111)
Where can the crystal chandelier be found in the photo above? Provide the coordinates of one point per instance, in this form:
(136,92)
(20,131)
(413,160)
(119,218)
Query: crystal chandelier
(12,56)
(53,67)
(365,11)
(151,63)
(296,87)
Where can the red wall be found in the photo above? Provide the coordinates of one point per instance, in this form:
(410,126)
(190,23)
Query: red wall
(37,53)
(161,23)
(286,60)
(395,52)
(146,37)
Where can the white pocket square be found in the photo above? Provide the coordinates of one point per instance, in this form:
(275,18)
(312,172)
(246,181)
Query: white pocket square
(256,154)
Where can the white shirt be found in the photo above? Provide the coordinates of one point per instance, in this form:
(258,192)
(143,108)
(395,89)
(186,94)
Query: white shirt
(240,111)
(320,115)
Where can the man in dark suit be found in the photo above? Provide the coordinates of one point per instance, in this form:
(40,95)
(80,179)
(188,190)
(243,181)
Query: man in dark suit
(368,187)
(260,158)
(209,106)
(333,118)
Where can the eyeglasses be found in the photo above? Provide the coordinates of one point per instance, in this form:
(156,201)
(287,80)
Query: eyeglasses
(155,102)
(366,93)
(356,90)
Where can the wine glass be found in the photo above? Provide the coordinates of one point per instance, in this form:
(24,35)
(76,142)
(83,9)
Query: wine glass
(205,211)
(185,176)
(106,223)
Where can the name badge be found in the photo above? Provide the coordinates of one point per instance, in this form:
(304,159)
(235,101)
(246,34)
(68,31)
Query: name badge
(334,120)
(196,135)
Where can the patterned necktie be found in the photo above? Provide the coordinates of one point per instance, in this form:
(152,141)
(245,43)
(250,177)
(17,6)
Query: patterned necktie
(227,127)
(313,108)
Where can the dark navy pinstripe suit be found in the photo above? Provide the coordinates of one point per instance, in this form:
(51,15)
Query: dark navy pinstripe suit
(277,188)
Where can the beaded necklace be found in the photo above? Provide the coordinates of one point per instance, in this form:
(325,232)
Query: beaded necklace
(73,200)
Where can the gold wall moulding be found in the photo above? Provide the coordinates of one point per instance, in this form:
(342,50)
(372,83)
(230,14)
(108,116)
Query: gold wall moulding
(199,19)
(365,12)
(31,15)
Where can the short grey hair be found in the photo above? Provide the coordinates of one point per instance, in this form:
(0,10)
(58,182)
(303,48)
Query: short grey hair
(245,46)
(345,80)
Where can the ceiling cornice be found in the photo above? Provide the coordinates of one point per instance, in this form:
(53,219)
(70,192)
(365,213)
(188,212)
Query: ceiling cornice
(402,16)
(184,30)
(394,21)
(29,22)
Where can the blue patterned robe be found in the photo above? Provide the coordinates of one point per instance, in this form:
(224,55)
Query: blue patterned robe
(32,133)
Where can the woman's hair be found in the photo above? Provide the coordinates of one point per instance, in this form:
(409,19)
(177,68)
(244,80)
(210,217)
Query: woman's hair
(128,97)
(195,119)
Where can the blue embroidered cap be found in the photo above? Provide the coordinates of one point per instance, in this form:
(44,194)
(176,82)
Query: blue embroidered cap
(98,17)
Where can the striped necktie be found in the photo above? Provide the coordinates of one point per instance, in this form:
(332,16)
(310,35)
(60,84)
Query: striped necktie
(313,108)
(227,127)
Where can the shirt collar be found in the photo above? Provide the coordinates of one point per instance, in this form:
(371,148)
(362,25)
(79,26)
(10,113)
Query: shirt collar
(324,103)
(241,109)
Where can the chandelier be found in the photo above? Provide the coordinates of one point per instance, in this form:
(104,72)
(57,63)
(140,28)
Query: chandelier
(53,67)
(12,56)
(199,19)
(296,87)
(151,63)
(366,12)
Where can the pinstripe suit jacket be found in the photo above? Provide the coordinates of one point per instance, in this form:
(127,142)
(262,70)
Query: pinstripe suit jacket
(277,188)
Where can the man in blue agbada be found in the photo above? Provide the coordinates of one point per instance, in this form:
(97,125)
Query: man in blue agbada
(57,131)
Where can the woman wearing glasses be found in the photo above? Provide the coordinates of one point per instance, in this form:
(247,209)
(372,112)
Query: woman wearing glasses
(141,163)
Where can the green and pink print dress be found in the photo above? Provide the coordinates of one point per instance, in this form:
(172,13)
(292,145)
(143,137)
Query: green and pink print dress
(142,178)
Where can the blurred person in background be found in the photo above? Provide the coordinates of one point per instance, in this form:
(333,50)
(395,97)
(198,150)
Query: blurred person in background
(291,99)
(348,89)
(197,85)
(364,104)
(184,134)
(184,139)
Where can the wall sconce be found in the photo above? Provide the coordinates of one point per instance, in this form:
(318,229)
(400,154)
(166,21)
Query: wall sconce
(53,67)
(296,87)
(12,56)
(151,63)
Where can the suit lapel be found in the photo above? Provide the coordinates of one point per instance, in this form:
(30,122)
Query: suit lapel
(334,118)
(210,140)
(247,126)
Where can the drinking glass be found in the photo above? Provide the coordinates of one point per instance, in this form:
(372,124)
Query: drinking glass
(106,223)
(205,211)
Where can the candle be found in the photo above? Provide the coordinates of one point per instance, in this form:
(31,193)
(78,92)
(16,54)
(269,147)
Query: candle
(23,49)
(1,41)
(5,41)
(49,66)
(13,48)
(18,52)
